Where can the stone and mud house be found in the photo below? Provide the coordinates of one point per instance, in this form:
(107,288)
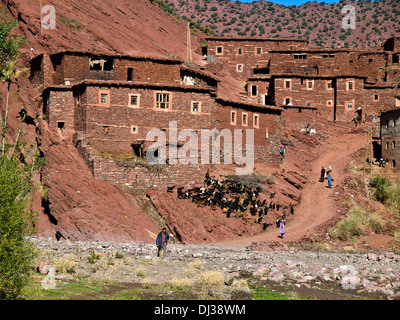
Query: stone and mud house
(339,83)
(112,102)
(390,136)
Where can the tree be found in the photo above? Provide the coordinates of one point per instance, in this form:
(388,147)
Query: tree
(9,47)
(16,251)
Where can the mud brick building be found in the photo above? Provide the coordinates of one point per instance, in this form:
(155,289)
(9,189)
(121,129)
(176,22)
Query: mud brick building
(338,82)
(111,102)
(248,55)
(390,136)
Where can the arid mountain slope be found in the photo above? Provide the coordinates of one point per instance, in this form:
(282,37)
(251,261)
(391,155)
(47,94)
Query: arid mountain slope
(135,27)
(319,22)
(68,198)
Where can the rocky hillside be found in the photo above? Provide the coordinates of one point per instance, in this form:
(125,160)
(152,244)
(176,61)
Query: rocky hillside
(319,22)
(67,197)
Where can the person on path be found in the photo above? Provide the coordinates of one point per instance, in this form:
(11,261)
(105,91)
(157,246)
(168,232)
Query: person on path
(282,151)
(330,179)
(282,226)
(322,178)
(328,170)
(308,129)
(161,243)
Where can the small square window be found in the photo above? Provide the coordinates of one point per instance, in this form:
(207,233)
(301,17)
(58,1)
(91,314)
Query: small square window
(329,103)
(195,106)
(219,50)
(349,105)
(244,119)
(310,84)
(288,84)
(104,98)
(376,97)
(253,90)
(350,85)
(258,51)
(393,144)
(239,51)
(329,85)
(134,129)
(233,117)
(288,101)
(60,124)
(134,100)
(239,67)
(256,118)
(163,100)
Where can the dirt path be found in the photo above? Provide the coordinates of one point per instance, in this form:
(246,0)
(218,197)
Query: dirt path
(317,204)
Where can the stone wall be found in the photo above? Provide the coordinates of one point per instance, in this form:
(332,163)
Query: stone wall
(115,127)
(59,108)
(390,136)
(137,178)
(247,52)
(266,130)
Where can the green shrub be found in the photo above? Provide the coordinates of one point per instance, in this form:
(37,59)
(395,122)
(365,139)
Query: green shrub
(356,223)
(380,186)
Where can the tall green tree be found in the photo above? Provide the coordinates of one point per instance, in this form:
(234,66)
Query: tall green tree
(16,251)
(10,44)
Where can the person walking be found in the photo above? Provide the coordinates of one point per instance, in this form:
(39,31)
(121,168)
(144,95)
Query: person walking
(282,226)
(161,243)
(330,179)
(282,151)
(322,178)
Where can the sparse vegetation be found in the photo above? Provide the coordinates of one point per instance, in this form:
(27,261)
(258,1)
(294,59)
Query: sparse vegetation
(356,223)
(252,180)
(245,20)
(70,23)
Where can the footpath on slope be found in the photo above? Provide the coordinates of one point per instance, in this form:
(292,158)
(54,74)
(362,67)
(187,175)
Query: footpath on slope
(317,205)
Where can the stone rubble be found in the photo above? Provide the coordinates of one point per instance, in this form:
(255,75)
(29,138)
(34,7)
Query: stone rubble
(363,272)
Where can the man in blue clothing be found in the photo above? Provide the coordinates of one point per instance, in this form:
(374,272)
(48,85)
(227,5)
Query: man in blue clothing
(282,152)
(161,242)
(330,179)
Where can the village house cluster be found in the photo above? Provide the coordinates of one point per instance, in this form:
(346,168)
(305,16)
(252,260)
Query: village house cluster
(337,82)
(112,101)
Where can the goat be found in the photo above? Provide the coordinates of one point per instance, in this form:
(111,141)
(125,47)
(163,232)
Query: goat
(169,189)
(180,192)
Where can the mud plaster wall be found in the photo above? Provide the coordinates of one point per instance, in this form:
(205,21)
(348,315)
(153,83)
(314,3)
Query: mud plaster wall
(390,133)
(266,134)
(75,68)
(119,118)
(60,108)
(249,56)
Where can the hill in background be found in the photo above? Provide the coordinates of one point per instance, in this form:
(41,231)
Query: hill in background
(319,22)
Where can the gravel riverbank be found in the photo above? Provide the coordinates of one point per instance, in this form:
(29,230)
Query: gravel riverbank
(362,273)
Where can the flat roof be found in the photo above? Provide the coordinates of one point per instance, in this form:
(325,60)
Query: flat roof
(112,83)
(254,39)
(114,55)
(248,104)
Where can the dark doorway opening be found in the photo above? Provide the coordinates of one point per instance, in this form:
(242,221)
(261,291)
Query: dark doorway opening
(129,76)
(137,150)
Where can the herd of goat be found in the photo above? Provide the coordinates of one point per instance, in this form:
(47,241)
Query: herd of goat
(231,196)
